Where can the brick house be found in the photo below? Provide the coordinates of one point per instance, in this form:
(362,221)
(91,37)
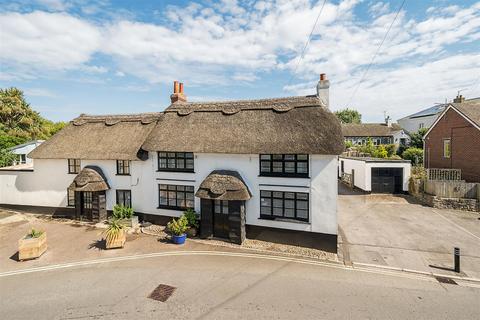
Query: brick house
(453,141)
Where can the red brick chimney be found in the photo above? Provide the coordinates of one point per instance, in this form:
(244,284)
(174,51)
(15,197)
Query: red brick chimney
(178,96)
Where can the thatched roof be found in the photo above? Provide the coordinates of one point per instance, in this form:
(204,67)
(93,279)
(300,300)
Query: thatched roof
(91,178)
(223,185)
(369,129)
(285,125)
(470,109)
(111,137)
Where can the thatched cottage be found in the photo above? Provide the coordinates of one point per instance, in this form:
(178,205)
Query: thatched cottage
(251,168)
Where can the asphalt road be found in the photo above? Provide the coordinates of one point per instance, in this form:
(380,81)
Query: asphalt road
(225,287)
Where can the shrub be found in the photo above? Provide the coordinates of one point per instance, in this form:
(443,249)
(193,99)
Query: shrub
(191,217)
(178,226)
(34,233)
(413,154)
(348,144)
(122,212)
(380,152)
(391,149)
(114,229)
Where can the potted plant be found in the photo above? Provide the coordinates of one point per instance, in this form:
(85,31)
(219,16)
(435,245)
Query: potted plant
(191,217)
(177,228)
(115,235)
(33,245)
(125,215)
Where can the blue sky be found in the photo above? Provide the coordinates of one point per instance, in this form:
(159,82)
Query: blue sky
(97,57)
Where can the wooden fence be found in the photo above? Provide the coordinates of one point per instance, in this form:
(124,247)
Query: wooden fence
(347,178)
(444,174)
(452,189)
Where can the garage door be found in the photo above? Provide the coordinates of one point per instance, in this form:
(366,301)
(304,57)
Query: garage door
(387,180)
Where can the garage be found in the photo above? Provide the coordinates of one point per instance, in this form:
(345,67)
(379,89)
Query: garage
(387,180)
(375,175)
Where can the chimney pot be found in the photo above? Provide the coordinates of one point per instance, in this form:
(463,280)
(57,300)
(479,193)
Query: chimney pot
(323,90)
(177,95)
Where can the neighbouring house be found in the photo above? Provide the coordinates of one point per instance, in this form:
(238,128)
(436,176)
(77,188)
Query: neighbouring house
(22,150)
(380,133)
(453,141)
(375,175)
(263,169)
(421,119)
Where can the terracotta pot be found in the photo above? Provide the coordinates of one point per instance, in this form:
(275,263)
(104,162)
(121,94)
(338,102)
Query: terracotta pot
(31,248)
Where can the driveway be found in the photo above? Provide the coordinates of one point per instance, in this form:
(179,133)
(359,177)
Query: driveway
(396,231)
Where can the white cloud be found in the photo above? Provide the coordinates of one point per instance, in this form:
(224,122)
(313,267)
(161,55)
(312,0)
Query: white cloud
(40,92)
(56,5)
(52,41)
(227,43)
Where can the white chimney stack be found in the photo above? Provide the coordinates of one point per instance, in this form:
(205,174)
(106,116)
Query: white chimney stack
(322,90)
(388,121)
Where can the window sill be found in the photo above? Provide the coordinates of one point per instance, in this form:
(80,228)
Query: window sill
(175,170)
(284,176)
(120,174)
(73,173)
(284,220)
(173,208)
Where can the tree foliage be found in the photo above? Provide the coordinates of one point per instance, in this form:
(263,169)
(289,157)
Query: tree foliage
(349,116)
(19,123)
(413,154)
(416,138)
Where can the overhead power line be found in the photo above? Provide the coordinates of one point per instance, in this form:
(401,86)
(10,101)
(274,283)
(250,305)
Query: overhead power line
(307,43)
(375,55)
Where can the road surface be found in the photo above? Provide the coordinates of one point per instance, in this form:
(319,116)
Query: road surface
(214,286)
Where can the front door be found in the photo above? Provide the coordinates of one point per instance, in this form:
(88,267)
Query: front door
(86,204)
(220,219)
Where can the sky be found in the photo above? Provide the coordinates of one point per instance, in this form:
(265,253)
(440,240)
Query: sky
(114,57)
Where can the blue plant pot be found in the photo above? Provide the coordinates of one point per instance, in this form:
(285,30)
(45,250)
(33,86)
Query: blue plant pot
(179,239)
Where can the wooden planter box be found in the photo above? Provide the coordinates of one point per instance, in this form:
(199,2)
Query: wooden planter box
(119,242)
(131,223)
(31,248)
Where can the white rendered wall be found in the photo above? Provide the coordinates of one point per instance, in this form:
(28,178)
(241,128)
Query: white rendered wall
(47,185)
(360,178)
(412,125)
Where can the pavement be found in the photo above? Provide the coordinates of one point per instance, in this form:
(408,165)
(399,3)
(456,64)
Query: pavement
(214,285)
(396,232)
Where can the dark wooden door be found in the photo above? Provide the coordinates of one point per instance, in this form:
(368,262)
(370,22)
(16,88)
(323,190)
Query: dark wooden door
(86,205)
(387,180)
(220,218)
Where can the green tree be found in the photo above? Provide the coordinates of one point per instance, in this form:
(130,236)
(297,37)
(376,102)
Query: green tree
(6,158)
(349,116)
(413,154)
(417,138)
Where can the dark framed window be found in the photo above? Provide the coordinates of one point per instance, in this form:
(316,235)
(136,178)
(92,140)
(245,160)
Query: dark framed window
(70,198)
(124,197)
(175,161)
(220,206)
(73,166)
(123,167)
(175,197)
(284,204)
(87,200)
(284,165)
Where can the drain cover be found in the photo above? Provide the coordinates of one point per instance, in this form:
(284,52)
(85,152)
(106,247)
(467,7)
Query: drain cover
(162,292)
(446,280)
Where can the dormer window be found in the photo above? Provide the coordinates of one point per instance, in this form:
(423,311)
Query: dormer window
(175,161)
(284,165)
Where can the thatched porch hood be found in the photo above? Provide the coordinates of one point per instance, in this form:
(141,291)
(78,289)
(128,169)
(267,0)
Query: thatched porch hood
(223,185)
(285,125)
(91,178)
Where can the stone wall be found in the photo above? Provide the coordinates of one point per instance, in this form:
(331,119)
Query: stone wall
(456,204)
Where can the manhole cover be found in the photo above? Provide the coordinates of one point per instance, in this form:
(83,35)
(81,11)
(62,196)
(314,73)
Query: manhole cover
(162,292)
(445,280)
